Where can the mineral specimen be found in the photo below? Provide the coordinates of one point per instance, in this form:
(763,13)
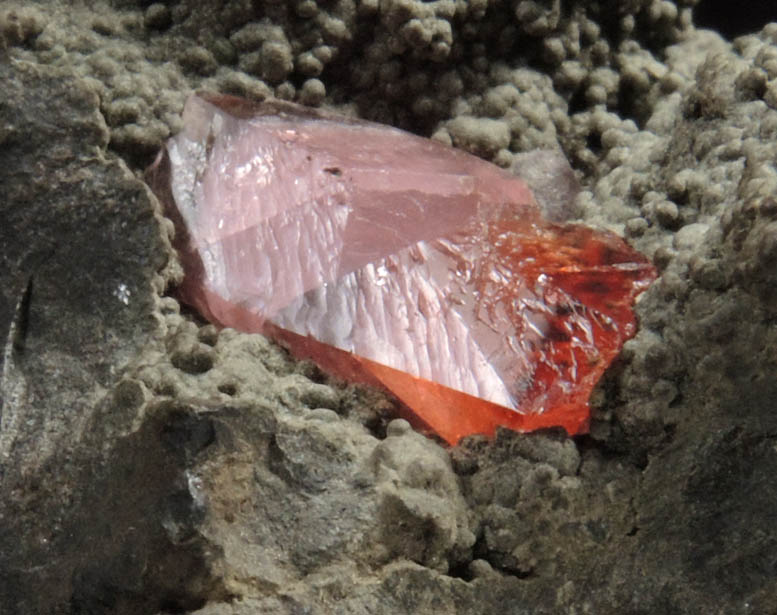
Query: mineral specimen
(396,261)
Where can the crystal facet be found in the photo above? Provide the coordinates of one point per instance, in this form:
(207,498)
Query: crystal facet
(396,261)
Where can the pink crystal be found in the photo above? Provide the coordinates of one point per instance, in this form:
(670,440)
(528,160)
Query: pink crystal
(397,261)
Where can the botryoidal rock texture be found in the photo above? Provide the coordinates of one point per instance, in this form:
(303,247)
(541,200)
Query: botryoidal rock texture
(152,464)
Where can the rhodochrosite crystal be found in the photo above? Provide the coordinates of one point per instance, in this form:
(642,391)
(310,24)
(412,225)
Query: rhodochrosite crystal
(396,261)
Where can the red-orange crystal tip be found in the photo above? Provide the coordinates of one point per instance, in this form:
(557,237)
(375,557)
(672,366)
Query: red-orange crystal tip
(396,261)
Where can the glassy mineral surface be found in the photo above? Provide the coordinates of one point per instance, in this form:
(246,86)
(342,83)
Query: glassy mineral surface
(396,261)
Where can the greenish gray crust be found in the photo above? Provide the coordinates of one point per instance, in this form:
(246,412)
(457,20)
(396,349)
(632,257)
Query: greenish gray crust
(149,462)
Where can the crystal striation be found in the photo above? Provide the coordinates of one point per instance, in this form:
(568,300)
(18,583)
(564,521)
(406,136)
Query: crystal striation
(396,261)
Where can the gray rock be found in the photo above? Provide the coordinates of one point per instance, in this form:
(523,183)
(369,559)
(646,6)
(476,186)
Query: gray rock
(152,464)
(83,258)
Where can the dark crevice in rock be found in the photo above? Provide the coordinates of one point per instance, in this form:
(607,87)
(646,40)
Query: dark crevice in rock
(505,563)
(586,443)
(594,142)
(632,103)
(184,432)
(461,570)
(228,388)
(21,319)
(370,407)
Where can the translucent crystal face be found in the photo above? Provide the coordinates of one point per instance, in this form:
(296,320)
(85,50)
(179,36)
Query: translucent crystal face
(397,261)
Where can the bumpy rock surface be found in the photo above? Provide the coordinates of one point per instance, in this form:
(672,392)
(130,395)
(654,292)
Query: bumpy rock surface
(153,464)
